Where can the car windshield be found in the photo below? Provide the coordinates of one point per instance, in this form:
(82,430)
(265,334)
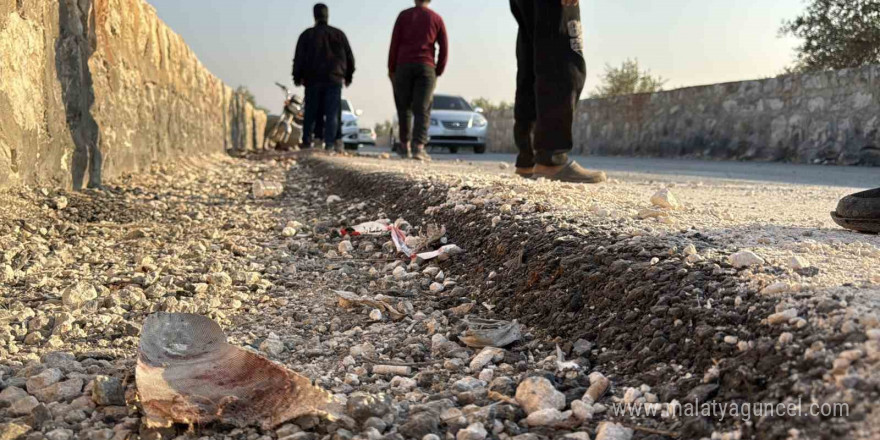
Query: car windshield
(346,107)
(451,103)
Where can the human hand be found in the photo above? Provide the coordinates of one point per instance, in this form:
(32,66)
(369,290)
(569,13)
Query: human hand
(569,2)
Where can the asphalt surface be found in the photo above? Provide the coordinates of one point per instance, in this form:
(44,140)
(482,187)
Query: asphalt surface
(690,169)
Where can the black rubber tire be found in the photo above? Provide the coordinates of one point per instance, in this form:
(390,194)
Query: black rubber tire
(480,149)
(453,150)
(352,147)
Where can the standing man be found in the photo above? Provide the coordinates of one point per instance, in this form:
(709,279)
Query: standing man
(551,77)
(323,63)
(413,71)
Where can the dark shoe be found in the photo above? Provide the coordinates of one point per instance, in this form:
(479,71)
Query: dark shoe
(421,154)
(570,173)
(404,151)
(859,212)
(527,173)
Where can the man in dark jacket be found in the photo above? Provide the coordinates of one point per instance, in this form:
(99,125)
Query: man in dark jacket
(323,63)
(551,77)
(414,71)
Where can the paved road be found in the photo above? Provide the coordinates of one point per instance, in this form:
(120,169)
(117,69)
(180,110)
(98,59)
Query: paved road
(689,169)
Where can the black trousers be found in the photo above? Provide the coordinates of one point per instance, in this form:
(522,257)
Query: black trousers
(319,127)
(551,76)
(414,96)
(322,102)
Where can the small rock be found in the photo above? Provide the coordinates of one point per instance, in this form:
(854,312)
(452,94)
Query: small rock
(78,294)
(44,379)
(61,391)
(782,317)
(537,393)
(577,436)
(689,250)
(665,199)
(420,425)
(613,431)
(11,394)
(798,263)
(485,357)
(582,410)
(581,347)
(474,431)
(108,391)
(743,259)
(547,417)
(289,232)
(272,345)
(24,406)
(13,430)
(346,247)
(776,288)
(376,315)
(333,199)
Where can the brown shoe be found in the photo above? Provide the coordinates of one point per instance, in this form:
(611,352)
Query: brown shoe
(528,173)
(421,154)
(570,173)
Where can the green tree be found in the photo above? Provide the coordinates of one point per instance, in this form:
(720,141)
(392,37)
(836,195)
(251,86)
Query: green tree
(836,34)
(489,106)
(628,79)
(383,128)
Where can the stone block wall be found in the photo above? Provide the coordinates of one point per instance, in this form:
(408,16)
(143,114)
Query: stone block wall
(95,88)
(828,117)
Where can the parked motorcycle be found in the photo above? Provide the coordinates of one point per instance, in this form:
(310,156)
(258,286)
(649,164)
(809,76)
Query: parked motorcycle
(291,120)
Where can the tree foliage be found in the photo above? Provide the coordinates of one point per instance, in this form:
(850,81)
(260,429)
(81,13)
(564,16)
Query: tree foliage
(489,106)
(628,79)
(836,34)
(383,128)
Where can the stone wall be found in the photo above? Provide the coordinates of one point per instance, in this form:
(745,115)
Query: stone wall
(828,117)
(104,86)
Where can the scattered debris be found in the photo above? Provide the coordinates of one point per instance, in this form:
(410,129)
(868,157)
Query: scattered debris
(348,300)
(399,239)
(489,333)
(264,189)
(187,373)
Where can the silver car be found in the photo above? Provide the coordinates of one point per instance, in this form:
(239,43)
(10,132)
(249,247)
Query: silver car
(454,124)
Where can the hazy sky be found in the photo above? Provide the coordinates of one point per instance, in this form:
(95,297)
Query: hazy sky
(688,42)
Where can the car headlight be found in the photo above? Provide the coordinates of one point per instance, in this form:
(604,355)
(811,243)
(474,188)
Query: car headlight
(435,122)
(480,121)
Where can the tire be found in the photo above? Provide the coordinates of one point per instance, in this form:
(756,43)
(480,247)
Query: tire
(352,147)
(480,149)
(453,150)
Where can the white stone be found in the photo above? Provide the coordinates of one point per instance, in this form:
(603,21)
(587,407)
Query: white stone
(333,199)
(346,247)
(743,259)
(289,232)
(798,263)
(436,288)
(582,410)
(376,315)
(474,431)
(537,393)
(78,294)
(485,357)
(547,417)
(776,288)
(613,431)
(782,317)
(665,199)
(689,250)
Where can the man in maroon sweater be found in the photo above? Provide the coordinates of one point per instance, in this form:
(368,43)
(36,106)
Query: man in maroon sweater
(413,71)
(551,77)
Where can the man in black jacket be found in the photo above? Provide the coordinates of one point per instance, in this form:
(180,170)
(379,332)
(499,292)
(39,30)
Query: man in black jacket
(323,63)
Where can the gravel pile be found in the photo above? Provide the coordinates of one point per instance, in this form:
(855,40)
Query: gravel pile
(594,315)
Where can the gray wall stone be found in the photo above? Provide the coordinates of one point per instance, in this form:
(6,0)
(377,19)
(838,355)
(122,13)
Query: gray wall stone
(96,88)
(828,117)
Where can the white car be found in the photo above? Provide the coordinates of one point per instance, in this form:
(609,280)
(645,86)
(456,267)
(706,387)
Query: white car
(350,131)
(366,136)
(454,124)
